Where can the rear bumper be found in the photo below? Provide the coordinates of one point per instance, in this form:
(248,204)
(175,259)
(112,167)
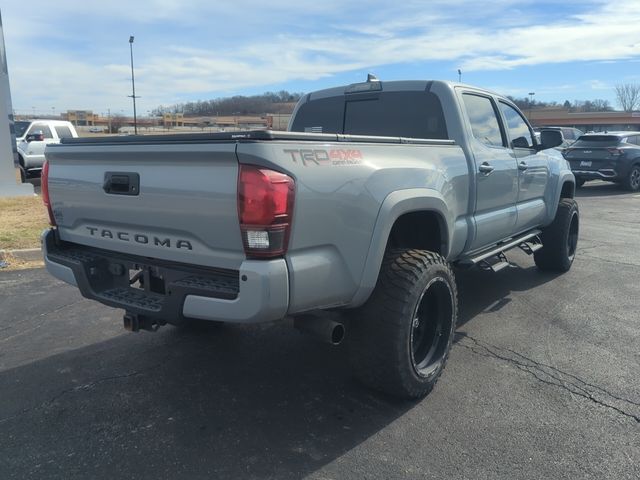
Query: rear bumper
(613,171)
(257,292)
(604,174)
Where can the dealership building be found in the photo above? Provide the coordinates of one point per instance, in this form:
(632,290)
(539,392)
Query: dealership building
(585,121)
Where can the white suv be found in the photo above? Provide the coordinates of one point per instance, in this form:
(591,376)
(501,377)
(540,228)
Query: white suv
(33,136)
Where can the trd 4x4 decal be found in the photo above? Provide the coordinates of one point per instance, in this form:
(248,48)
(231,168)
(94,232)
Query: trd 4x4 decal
(320,156)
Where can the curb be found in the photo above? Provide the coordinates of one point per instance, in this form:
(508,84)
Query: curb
(25,254)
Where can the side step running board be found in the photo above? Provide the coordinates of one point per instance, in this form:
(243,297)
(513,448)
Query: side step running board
(495,263)
(528,242)
(530,247)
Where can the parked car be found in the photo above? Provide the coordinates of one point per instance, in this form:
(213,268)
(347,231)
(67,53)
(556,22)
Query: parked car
(610,156)
(363,206)
(96,130)
(569,135)
(33,136)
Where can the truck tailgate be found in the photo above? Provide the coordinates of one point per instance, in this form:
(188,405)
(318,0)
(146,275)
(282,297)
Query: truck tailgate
(185,209)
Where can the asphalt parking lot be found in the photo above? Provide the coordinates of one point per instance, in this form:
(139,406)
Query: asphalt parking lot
(543,382)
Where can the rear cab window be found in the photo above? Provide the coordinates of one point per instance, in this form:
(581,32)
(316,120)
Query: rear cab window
(396,114)
(325,115)
(412,114)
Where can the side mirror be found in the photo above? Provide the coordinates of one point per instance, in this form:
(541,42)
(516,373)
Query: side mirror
(520,142)
(35,137)
(550,139)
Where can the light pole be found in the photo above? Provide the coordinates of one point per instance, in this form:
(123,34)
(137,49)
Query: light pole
(133,86)
(459,76)
(531,94)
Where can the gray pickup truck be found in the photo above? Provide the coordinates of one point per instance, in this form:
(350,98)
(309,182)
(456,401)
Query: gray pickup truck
(365,204)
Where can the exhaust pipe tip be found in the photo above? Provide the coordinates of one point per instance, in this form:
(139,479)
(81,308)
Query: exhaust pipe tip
(337,334)
(322,328)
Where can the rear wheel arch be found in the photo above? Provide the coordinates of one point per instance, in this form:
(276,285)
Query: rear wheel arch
(419,230)
(407,207)
(568,190)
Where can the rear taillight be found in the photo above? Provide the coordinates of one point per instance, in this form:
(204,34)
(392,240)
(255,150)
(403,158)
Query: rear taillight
(616,152)
(265,210)
(44,188)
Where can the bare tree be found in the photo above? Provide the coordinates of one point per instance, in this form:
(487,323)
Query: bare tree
(117,121)
(628,96)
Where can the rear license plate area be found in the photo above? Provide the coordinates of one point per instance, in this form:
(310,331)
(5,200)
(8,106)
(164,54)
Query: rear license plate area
(149,279)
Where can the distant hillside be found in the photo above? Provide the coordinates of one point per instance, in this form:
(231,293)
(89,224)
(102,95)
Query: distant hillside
(269,102)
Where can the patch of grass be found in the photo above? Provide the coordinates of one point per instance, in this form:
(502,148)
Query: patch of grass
(22,220)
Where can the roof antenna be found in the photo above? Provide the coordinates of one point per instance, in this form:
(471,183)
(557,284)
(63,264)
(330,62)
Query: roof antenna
(372,78)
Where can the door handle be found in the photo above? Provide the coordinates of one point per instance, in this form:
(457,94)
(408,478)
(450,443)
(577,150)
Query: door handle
(522,166)
(485,168)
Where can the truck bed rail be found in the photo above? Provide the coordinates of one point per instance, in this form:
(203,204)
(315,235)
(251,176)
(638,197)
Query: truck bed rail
(248,136)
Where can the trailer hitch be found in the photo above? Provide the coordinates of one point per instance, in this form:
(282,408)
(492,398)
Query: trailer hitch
(134,322)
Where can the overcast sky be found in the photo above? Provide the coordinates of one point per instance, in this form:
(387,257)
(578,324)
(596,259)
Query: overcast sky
(67,54)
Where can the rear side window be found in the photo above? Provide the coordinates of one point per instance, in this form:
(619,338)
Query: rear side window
(389,114)
(634,140)
(483,119)
(40,128)
(63,132)
(597,141)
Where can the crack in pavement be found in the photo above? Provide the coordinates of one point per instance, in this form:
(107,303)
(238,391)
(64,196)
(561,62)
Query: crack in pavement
(615,262)
(553,376)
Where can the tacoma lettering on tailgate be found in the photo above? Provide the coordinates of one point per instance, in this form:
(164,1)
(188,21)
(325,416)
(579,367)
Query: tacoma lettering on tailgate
(141,238)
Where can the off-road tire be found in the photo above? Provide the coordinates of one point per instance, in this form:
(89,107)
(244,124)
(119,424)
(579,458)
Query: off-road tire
(560,239)
(632,182)
(414,306)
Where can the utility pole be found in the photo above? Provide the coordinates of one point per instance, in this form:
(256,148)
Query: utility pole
(459,76)
(531,94)
(133,85)
(109,116)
